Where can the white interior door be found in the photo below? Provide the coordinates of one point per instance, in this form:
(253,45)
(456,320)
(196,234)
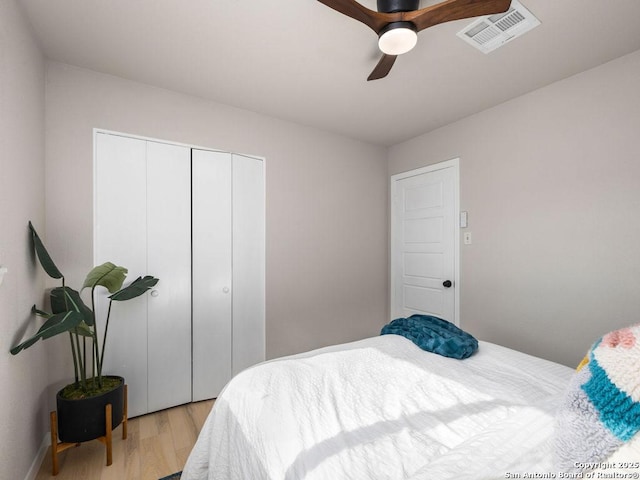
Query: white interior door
(424,242)
(212,277)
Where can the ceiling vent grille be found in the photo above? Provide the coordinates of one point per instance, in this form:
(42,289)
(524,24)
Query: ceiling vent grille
(493,31)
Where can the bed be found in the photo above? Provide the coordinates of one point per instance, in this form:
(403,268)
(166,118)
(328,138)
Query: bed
(382,408)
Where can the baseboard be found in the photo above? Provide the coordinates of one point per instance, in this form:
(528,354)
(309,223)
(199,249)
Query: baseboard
(42,451)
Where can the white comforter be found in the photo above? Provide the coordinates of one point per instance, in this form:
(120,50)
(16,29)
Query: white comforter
(381,408)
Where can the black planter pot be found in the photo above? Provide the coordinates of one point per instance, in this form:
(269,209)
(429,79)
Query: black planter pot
(84,419)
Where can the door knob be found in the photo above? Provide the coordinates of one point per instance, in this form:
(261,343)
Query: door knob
(155,293)
(225,290)
(447,283)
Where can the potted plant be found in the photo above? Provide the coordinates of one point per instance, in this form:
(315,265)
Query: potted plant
(81,404)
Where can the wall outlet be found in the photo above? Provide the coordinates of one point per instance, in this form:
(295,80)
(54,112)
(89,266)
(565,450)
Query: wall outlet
(467,238)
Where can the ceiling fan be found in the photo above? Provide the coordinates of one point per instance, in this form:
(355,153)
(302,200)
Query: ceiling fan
(397,22)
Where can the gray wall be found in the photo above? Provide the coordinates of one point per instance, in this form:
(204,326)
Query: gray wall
(24,379)
(551,181)
(326,200)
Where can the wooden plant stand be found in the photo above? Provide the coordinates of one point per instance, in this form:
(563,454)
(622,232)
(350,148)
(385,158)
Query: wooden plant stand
(58,447)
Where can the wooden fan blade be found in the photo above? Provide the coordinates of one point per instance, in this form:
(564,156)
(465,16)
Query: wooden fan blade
(374,20)
(450,10)
(383,67)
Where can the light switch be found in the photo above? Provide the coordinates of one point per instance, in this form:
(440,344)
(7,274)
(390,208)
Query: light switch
(464,220)
(467,238)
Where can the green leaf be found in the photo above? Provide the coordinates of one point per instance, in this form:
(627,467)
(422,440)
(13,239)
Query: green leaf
(107,275)
(84,330)
(43,255)
(40,313)
(56,324)
(67,299)
(135,289)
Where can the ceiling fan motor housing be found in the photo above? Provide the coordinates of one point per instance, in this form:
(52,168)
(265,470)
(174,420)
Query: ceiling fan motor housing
(393,25)
(391,6)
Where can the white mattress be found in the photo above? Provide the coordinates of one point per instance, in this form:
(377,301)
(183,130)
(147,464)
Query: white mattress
(381,408)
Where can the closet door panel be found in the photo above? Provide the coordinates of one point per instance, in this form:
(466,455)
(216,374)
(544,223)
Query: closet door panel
(120,237)
(169,259)
(211,231)
(194,219)
(248,262)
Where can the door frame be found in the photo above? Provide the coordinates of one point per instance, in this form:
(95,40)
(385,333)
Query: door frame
(455,165)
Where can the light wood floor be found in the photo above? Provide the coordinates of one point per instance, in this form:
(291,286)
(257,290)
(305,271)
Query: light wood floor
(157,445)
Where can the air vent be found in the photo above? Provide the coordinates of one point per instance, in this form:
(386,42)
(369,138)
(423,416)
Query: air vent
(493,31)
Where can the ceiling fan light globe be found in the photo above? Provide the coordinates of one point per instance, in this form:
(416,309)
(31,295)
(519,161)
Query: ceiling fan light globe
(397,40)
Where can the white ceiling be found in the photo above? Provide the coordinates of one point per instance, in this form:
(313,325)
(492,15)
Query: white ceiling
(299,60)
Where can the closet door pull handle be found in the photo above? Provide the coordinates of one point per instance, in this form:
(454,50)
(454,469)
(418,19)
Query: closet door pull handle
(225,290)
(155,293)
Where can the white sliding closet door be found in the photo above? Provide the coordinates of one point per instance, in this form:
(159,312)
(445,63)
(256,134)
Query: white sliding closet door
(120,237)
(195,219)
(248,262)
(212,276)
(142,211)
(228,268)
(169,259)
